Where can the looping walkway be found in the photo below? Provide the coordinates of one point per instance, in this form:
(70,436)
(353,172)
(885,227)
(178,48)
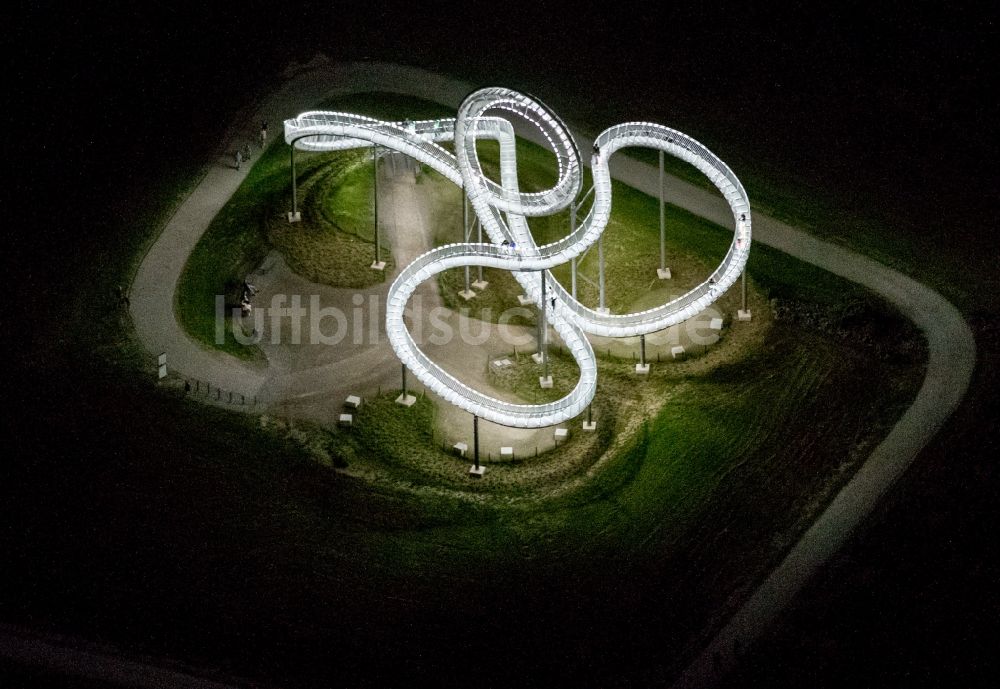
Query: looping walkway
(502,209)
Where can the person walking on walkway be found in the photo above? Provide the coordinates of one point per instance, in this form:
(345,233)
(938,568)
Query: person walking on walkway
(239,159)
(263,133)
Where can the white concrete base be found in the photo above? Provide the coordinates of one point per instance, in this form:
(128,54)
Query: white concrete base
(294,217)
(742,315)
(642,369)
(677,351)
(407,401)
(663,273)
(378,265)
(467,294)
(345,420)
(592,426)
(524,300)
(477,473)
(506,452)
(715,324)
(480,285)
(603,310)
(352,402)
(545,382)
(537,357)
(561,434)
(460,449)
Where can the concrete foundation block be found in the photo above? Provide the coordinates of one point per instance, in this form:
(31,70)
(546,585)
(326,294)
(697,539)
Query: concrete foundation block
(406,400)
(742,315)
(663,273)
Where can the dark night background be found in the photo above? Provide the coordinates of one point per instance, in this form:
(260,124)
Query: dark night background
(889,111)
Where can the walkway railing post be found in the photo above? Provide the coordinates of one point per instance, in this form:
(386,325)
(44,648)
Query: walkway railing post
(404,381)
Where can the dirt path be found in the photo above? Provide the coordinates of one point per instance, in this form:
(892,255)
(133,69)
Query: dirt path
(308,379)
(950,342)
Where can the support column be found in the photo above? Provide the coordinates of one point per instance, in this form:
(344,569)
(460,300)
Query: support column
(642,368)
(744,313)
(545,380)
(589,424)
(601,307)
(294,215)
(404,399)
(480,283)
(572,262)
(378,263)
(467,293)
(662,272)
(476,471)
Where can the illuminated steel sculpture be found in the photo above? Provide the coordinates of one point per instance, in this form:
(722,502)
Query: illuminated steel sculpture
(503,211)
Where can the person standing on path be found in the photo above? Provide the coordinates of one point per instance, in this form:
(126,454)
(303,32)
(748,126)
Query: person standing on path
(263,133)
(239,159)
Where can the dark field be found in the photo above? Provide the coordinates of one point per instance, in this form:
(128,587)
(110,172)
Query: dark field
(875,128)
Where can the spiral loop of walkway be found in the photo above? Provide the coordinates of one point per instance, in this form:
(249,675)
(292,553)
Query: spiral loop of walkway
(503,211)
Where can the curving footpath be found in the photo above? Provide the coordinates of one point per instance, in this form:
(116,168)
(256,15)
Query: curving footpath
(951,347)
(503,209)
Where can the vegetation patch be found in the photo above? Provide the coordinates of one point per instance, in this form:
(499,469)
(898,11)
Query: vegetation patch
(244,543)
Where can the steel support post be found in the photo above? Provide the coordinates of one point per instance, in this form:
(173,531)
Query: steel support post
(600,275)
(663,272)
(378,244)
(475,441)
(543,345)
(572,262)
